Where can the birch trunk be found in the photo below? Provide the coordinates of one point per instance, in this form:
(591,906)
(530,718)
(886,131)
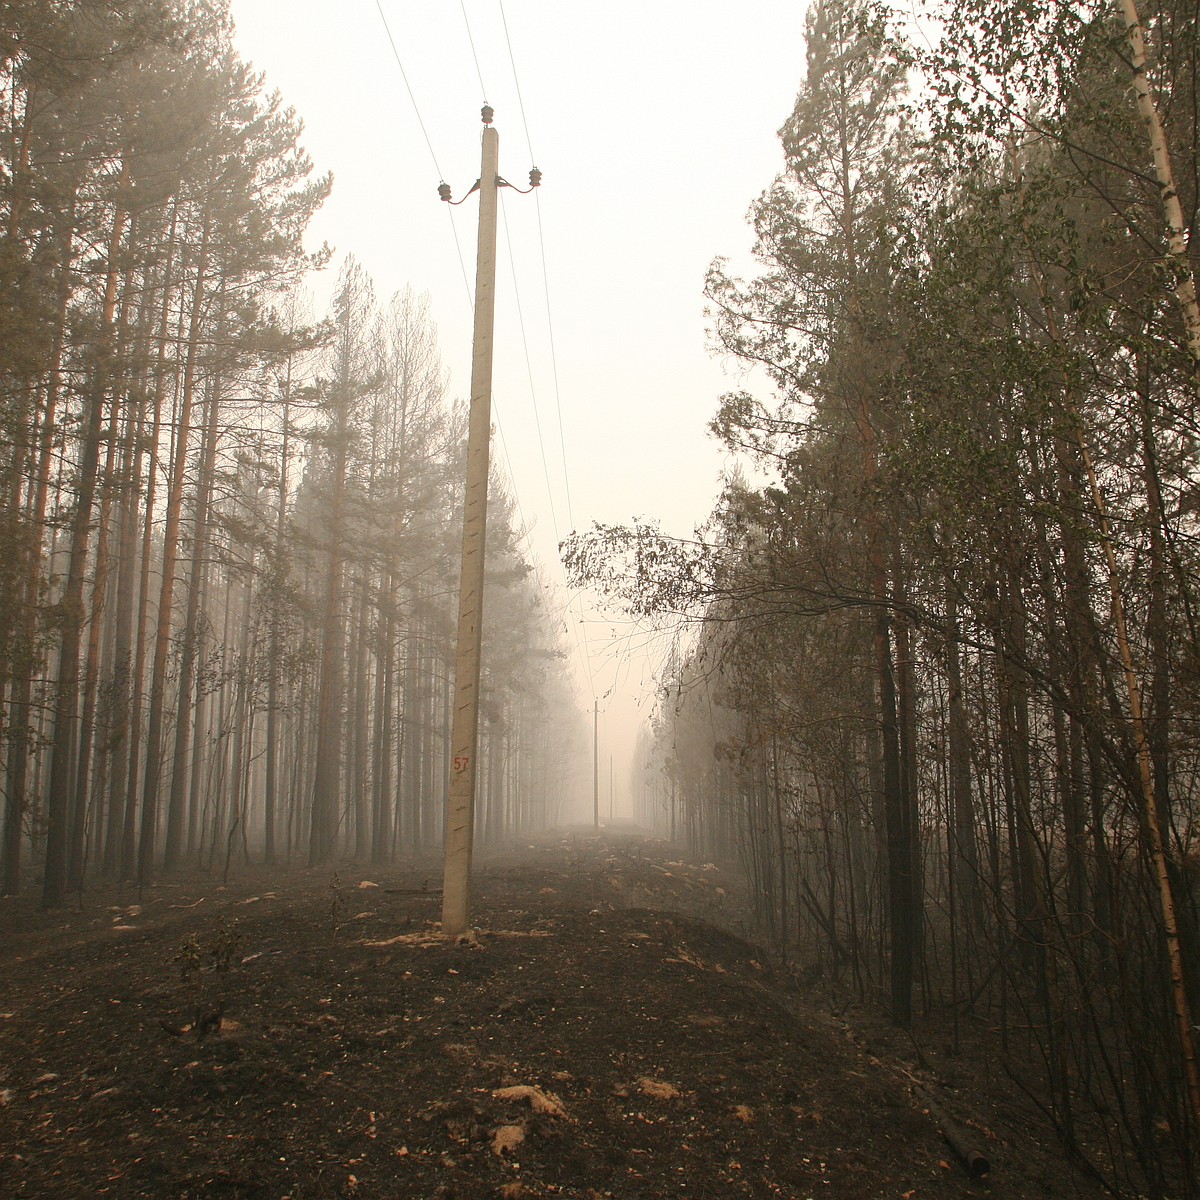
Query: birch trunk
(1175,227)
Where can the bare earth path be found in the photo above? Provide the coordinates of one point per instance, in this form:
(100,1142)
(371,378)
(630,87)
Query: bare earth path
(304,1035)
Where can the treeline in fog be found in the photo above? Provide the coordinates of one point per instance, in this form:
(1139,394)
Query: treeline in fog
(229,529)
(942,699)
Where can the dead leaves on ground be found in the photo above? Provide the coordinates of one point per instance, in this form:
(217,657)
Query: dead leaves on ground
(506,1138)
(430,939)
(466,1122)
(658,1089)
(540,1101)
(652,1089)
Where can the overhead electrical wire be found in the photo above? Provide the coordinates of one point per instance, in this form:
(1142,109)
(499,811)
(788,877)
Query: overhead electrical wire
(512,479)
(562,442)
(573,593)
(516,497)
(525,526)
(428,142)
(404,75)
(537,419)
(458,245)
(584,654)
(516,81)
(562,445)
(474,53)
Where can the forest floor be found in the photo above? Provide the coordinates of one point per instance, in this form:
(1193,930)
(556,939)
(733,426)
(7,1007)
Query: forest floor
(607,1033)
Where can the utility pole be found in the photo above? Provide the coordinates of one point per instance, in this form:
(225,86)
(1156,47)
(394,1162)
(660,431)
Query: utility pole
(596,764)
(464,735)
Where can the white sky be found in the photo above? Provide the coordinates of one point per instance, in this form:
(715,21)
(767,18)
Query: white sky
(654,126)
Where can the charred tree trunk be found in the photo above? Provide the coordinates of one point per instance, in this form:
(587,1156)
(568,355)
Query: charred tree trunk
(63,766)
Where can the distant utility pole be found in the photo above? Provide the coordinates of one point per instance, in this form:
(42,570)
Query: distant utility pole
(596,764)
(464,736)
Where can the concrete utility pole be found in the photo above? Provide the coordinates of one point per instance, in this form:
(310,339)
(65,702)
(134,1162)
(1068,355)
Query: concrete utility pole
(596,764)
(464,737)
(464,734)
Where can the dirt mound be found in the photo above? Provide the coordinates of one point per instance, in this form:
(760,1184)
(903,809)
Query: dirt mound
(601,1036)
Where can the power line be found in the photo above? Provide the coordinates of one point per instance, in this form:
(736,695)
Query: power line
(428,142)
(512,479)
(525,527)
(471,39)
(411,96)
(545,276)
(573,593)
(516,81)
(562,443)
(546,290)
(462,262)
(537,419)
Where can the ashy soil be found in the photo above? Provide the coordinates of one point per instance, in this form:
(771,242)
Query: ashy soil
(605,1034)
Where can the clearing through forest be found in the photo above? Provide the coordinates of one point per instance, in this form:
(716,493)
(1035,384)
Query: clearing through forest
(611,1032)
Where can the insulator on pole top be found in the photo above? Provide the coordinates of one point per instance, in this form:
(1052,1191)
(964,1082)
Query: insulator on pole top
(444,190)
(487,112)
(535,177)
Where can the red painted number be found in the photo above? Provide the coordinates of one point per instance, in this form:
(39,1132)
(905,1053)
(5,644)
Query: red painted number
(461,761)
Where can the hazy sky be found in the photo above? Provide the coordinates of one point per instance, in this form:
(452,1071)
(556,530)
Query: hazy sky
(654,126)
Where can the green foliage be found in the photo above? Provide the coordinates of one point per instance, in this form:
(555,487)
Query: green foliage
(206,966)
(215,953)
(972,402)
(647,571)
